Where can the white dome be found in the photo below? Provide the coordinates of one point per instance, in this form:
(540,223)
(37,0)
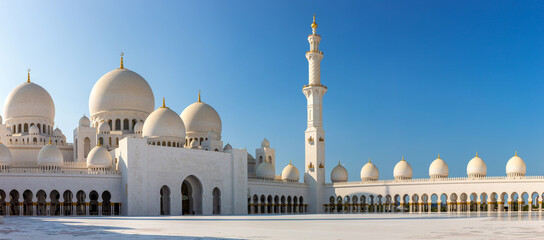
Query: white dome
(200,118)
(227,147)
(50,155)
(476,167)
(5,155)
(29,100)
(290,173)
(265,143)
(84,121)
(163,122)
(139,127)
(369,172)
(57,132)
(439,169)
(194,144)
(99,157)
(104,127)
(266,170)
(402,170)
(121,89)
(515,166)
(339,174)
(34,130)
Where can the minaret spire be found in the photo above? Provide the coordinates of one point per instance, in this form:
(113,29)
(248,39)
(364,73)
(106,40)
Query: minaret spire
(199,99)
(314,26)
(122,66)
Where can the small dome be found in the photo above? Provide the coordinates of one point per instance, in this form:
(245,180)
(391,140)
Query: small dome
(369,172)
(227,147)
(57,132)
(121,89)
(200,118)
(439,169)
(515,167)
(402,170)
(266,170)
(84,121)
(5,155)
(104,127)
(290,173)
(9,131)
(476,167)
(339,174)
(50,155)
(194,144)
(34,130)
(163,122)
(139,127)
(212,135)
(29,100)
(99,157)
(265,143)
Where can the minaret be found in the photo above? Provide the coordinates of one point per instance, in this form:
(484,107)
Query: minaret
(315,135)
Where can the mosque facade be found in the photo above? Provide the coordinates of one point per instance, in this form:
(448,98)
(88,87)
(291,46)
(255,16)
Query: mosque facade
(128,158)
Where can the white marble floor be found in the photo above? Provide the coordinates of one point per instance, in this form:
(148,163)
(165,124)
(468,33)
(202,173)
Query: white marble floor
(326,226)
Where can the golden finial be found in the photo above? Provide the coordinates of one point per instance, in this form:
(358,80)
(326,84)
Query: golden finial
(290,162)
(476,154)
(439,156)
(516,153)
(402,158)
(163,103)
(28,75)
(368,160)
(49,141)
(314,25)
(339,163)
(199,99)
(122,66)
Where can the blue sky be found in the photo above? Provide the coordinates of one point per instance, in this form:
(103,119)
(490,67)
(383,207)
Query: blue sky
(412,78)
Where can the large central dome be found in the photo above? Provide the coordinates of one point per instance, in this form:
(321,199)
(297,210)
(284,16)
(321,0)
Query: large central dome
(121,90)
(29,100)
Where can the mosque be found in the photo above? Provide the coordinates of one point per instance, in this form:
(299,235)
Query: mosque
(128,158)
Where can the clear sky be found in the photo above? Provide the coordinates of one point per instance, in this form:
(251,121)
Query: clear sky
(412,78)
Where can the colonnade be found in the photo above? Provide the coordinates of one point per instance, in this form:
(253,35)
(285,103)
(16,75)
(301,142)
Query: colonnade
(276,205)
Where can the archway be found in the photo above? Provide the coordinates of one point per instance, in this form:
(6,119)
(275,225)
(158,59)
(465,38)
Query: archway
(14,202)
(27,200)
(106,203)
(216,193)
(93,203)
(165,200)
(191,196)
(67,204)
(80,206)
(41,204)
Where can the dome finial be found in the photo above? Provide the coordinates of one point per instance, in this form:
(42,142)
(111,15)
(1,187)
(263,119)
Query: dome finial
(290,162)
(28,75)
(122,66)
(516,153)
(368,160)
(163,103)
(314,25)
(476,154)
(439,156)
(199,99)
(402,158)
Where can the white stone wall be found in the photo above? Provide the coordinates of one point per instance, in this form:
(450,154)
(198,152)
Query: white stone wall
(146,168)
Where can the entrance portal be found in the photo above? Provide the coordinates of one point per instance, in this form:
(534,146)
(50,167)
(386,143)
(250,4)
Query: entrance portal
(191,196)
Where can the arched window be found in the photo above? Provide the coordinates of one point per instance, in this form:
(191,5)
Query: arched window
(116,141)
(110,123)
(110,141)
(260,159)
(201,140)
(86,147)
(26,127)
(126,125)
(101,141)
(133,124)
(118,124)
